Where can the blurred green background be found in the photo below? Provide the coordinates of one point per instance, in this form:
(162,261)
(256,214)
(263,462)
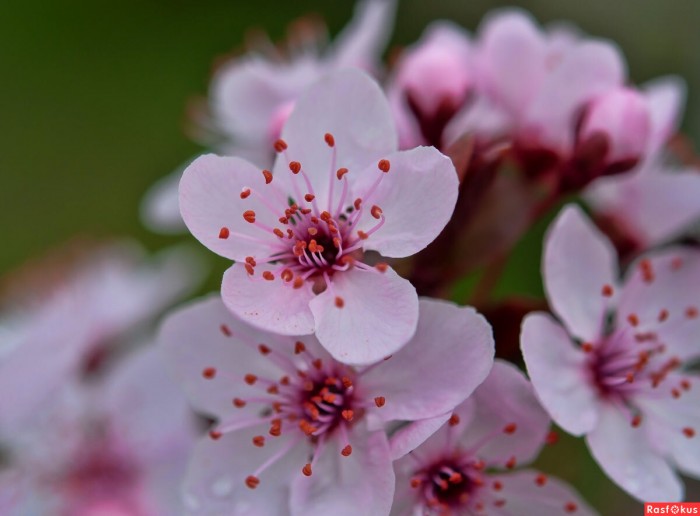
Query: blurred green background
(93,98)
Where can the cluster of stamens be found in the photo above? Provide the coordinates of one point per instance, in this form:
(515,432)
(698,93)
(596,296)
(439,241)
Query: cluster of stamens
(312,241)
(313,400)
(632,361)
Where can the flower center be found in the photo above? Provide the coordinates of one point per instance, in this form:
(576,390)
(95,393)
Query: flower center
(446,484)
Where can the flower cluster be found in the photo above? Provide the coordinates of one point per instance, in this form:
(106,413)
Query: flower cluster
(340,369)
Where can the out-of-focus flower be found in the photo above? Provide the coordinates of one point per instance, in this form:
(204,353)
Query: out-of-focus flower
(300,433)
(118,448)
(615,368)
(71,329)
(299,236)
(252,96)
(465,466)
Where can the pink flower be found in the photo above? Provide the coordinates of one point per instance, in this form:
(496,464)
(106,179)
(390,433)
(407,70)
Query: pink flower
(101,300)
(615,368)
(339,189)
(114,449)
(252,96)
(299,432)
(431,82)
(464,466)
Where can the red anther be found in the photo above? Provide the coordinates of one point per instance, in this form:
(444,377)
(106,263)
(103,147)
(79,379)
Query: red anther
(332,228)
(347,383)
(250,260)
(510,428)
(636,421)
(325,216)
(252,482)
(306,470)
(309,197)
(629,377)
(478,465)
(376,211)
(685,385)
(499,503)
(339,302)
(280,145)
(239,403)
(587,347)
(357,203)
(511,463)
(497,486)
(276,428)
(215,434)
(329,397)
(317,363)
(647,271)
(384,165)
(328,137)
(283,220)
(663,315)
(689,432)
(250,379)
(347,451)
(455,478)
(268,176)
(249,216)
(249,269)
(224,233)
(541,479)
(277,407)
(259,441)
(273,389)
(675,393)
(571,507)
(347,414)
(295,167)
(607,291)
(336,242)
(225,330)
(341,172)
(454,420)
(312,231)
(676,263)
(287,275)
(299,347)
(245,193)
(284,380)
(306,427)
(416,482)
(298,282)
(362,235)
(278,232)
(633,319)
(209,372)
(308,385)
(381,267)
(268,275)
(691,312)
(379,401)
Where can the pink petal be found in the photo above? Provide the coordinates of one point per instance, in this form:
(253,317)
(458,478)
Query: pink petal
(160,208)
(210,199)
(417,197)
(363,40)
(506,398)
(195,338)
(666,99)
(586,71)
(674,287)
(379,315)
(274,305)
(579,264)
(411,436)
(512,55)
(628,458)
(558,372)
(524,495)
(454,347)
(362,483)
(215,481)
(483,118)
(349,105)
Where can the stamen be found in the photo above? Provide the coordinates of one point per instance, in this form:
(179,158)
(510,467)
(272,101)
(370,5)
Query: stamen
(280,145)
(224,233)
(249,216)
(454,420)
(689,432)
(306,470)
(607,291)
(268,176)
(339,302)
(245,193)
(541,479)
(252,482)
(209,373)
(379,401)
(510,428)
(384,165)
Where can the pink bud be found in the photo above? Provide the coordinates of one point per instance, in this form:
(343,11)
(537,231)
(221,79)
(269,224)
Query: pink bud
(622,115)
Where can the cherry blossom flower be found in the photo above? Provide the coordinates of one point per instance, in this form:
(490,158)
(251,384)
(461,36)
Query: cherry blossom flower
(465,466)
(119,448)
(252,96)
(615,368)
(104,297)
(298,432)
(299,236)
